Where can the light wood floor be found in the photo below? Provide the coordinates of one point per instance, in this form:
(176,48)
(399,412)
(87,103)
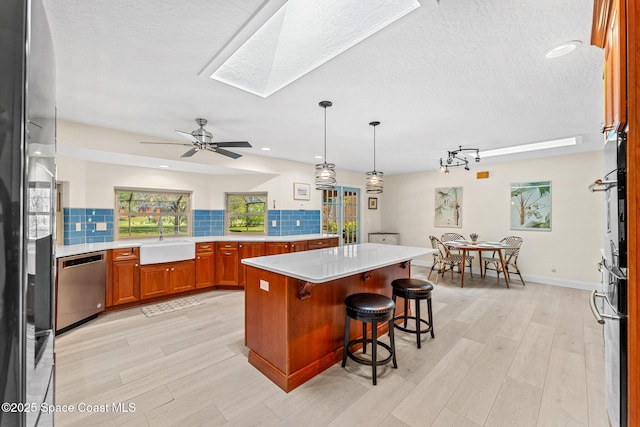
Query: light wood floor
(526,356)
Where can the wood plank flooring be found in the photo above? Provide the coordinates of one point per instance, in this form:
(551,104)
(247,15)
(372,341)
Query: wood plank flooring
(525,356)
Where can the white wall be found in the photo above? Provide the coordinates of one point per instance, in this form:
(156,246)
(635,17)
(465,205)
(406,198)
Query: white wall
(91,184)
(573,244)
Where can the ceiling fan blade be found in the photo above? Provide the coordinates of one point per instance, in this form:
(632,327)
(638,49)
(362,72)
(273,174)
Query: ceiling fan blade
(188,136)
(226,153)
(237,144)
(166,143)
(191,152)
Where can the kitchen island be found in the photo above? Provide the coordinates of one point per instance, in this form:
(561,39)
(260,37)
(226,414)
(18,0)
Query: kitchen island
(294,304)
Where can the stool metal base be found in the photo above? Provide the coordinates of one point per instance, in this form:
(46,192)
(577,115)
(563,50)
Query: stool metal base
(416,318)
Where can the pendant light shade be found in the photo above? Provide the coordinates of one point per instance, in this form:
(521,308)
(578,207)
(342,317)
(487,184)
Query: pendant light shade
(375,182)
(325,172)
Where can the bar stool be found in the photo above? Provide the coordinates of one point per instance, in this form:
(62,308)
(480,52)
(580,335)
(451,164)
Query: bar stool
(414,289)
(369,308)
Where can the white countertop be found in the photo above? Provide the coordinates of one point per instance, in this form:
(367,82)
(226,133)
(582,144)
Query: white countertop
(324,265)
(69,250)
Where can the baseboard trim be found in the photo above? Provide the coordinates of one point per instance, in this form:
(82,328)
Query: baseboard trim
(545,280)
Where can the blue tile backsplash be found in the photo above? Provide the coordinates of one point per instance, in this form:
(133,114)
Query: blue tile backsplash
(287,222)
(205,223)
(86,219)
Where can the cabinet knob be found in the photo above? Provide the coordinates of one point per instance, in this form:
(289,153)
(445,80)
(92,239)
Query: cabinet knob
(286,246)
(126,253)
(172,269)
(227,253)
(240,245)
(198,257)
(136,265)
(167,269)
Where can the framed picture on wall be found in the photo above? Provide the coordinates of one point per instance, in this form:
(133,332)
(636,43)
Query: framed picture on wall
(531,206)
(373,203)
(448,207)
(301,191)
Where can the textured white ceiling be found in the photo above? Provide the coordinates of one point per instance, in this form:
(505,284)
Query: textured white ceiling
(457,72)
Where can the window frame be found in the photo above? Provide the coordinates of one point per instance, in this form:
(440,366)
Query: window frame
(227,213)
(188,213)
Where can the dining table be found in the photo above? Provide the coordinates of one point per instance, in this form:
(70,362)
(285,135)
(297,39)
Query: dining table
(465,246)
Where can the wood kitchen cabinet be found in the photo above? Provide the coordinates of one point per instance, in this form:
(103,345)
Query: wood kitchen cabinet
(167,278)
(205,265)
(182,276)
(122,276)
(609,32)
(298,246)
(275,248)
(329,242)
(227,259)
(248,250)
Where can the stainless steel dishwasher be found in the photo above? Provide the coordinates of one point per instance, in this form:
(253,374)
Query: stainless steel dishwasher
(81,288)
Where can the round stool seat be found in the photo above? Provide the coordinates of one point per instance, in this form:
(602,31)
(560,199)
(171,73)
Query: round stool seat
(414,289)
(369,308)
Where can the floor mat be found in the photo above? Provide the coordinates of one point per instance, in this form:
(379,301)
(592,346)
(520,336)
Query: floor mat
(170,306)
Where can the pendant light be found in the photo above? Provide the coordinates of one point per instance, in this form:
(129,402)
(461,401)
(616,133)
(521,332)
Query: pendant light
(375,182)
(325,172)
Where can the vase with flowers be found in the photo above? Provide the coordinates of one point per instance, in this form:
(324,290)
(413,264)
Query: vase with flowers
(474,238)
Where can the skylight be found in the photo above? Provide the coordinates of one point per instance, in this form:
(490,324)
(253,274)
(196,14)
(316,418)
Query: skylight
(301,36)
(530,147)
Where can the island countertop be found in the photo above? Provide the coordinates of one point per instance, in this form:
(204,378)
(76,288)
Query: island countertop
(324,265)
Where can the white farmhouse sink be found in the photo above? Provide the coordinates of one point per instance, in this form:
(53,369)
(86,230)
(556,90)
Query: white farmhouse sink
(166,251)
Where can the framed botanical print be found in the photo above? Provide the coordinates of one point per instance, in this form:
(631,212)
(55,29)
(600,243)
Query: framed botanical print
(448,207)
(531,206)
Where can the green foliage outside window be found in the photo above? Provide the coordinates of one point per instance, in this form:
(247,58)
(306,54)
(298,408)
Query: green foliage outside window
(246,212)
(146,214)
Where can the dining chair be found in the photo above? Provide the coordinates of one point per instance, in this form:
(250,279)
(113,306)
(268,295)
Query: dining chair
(448,237)
(510,258)
(443,259)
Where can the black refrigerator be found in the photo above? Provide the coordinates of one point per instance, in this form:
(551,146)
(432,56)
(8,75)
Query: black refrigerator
(27,209)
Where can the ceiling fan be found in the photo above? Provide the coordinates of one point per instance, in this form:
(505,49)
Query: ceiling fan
(201,139)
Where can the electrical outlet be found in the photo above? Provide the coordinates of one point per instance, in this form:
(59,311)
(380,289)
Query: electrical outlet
(297,223)
(78,226)
(264,285)
(553,268)
(274,223)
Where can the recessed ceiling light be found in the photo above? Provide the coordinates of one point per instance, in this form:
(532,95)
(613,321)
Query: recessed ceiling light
(163,166)
(530,147)
(563,49)
(37,153)
(266,149)
(300,36)
(317,157)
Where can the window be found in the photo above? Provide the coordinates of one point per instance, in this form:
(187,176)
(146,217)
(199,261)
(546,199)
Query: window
(246,213)
(148,213)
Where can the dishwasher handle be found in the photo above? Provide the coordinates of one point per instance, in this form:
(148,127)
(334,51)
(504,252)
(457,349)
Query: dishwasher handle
(83,260)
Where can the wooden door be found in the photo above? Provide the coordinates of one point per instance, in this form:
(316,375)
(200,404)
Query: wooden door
(125,282)
(248,250)
(154,280)
(182,276)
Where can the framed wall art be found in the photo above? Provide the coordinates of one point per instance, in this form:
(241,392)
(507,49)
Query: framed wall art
(301,191)
(448,207)
(373,203)
(531,206)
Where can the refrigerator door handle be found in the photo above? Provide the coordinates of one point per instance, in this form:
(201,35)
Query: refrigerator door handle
(601,316)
